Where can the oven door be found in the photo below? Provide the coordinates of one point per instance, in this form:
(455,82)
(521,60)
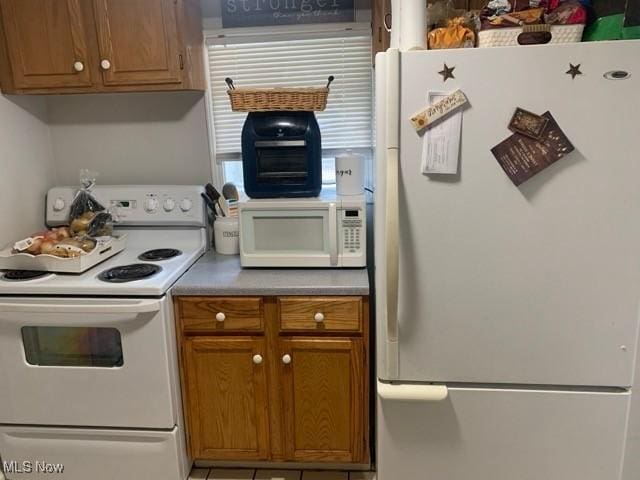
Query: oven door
(305,237)
(87,362)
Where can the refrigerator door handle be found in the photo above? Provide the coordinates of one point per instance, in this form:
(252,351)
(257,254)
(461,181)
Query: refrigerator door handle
(392,228)
(412,392)
(392,222)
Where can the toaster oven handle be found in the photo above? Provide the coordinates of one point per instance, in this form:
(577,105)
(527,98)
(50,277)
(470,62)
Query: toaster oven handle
(333,234)
(279,143)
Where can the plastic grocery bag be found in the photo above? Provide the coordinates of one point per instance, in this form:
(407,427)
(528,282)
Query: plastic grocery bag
(87,216)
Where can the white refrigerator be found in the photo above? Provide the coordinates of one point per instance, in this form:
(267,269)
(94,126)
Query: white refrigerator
(508,317)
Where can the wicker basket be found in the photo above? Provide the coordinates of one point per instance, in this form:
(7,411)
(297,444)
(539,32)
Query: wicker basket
(278,99)
(508,37)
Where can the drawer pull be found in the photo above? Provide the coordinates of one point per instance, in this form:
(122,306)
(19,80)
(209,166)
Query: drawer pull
(220,317)
(319,317)
(286,359)
(257,359)
(105,64)
(78,66)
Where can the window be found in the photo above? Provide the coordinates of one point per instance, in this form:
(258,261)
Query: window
(72,346)
(294,62)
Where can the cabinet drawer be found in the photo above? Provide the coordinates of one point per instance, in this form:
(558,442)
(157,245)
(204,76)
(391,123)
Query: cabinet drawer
(318,314)
(220,314)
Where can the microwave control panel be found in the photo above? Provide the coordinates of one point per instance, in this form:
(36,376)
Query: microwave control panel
(352,230)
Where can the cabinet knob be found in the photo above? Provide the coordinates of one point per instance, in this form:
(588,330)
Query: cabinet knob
(78,66)
(319,317)
(257,359)
(220,317)
(105,64)
(286,359)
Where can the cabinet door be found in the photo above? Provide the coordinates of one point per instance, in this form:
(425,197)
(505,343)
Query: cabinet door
(46,43)
(226,398)
(381,15)
(324,399)
(138,41)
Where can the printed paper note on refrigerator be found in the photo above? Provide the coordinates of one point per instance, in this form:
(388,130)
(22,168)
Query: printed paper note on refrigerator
(441,143)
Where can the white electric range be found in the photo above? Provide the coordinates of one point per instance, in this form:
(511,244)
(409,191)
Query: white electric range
(89,372)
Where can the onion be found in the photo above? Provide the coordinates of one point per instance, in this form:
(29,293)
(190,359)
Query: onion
(35,247)
(47,247)
(63,233)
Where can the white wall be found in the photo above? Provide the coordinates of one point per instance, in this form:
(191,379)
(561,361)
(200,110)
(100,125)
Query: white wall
(26,166)
(144,138)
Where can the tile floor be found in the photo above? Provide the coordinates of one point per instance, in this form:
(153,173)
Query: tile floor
(251,474)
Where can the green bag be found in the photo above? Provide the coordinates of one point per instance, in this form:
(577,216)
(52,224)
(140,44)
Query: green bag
(611,27)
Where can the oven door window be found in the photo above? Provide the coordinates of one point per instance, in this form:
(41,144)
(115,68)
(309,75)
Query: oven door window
(282,165)
(73,347)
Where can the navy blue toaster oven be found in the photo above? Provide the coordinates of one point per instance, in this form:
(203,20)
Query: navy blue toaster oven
(281,155)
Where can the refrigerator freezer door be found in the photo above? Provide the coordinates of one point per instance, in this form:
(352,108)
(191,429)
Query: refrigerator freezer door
(532,285)
(484,434)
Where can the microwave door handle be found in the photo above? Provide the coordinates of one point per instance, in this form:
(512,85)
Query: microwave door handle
(333,234)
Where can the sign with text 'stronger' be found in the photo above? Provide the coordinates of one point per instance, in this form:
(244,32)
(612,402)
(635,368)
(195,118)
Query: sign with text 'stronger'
(255,13)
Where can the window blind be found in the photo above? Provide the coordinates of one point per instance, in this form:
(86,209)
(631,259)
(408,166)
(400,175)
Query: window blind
(346,122)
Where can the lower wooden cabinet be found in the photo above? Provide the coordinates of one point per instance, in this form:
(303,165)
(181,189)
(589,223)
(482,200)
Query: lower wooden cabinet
(323,393)
(275,394)
(226,398)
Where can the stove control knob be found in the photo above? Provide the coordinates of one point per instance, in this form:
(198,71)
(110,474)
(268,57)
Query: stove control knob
(150,205)
(169,204)
(58,204)
(186,204)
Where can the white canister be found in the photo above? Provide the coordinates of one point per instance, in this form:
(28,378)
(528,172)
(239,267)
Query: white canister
(408,24)
(350,173)
(226,233)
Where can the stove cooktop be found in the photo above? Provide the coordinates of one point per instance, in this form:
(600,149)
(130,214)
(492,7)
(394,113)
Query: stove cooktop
(166,234)
(150,264)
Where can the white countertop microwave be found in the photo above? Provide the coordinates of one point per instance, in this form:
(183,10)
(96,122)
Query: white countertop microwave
(326,231)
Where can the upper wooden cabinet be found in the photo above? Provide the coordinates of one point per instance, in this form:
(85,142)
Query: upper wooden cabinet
(380,20)
(46,43)
(138,41)
(89,46)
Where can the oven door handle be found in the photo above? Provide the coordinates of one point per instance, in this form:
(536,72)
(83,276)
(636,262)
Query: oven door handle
(142,306)
(333,234)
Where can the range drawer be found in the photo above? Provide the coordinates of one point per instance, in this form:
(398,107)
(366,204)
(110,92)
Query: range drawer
(320,314)
(220,314)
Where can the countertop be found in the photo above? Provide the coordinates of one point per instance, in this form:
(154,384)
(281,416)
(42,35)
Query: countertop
(215,274)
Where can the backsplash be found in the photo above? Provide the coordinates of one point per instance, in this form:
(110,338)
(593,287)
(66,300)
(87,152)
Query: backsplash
(136,138)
